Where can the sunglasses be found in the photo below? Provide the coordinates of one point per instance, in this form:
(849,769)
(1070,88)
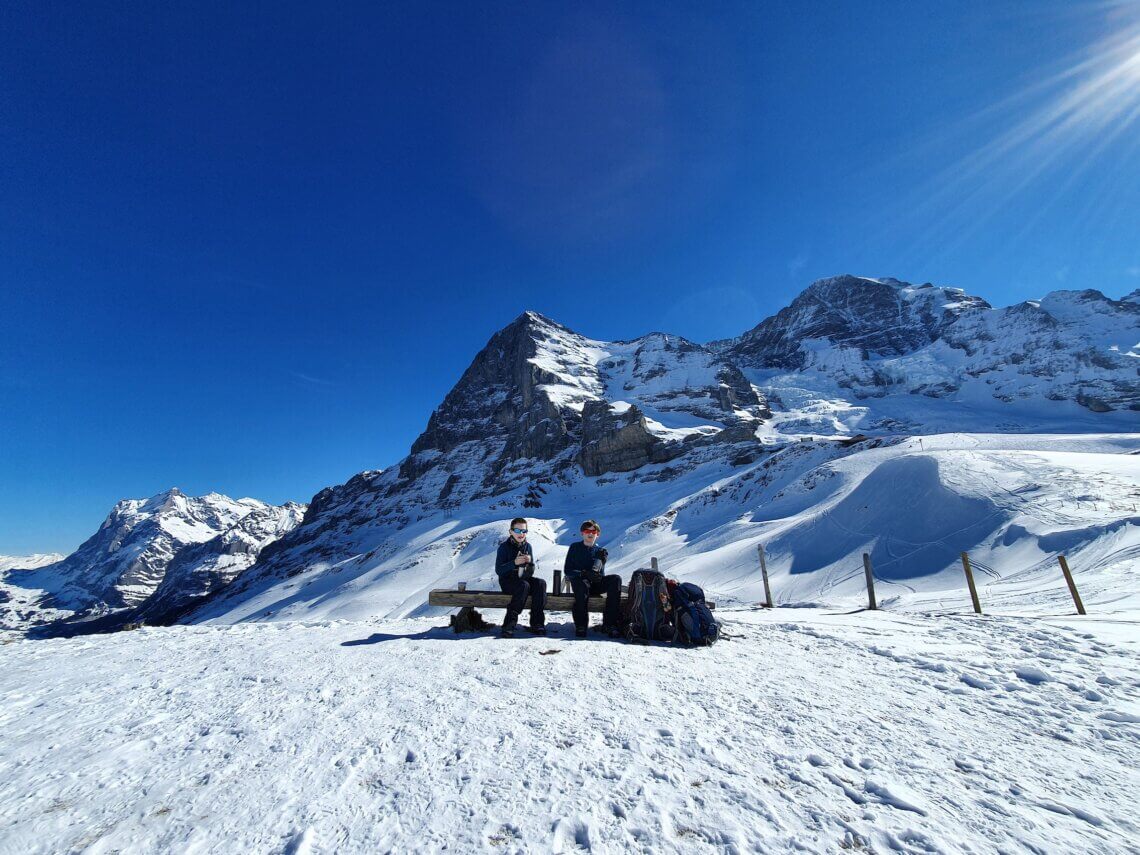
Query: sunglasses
(593,531)
(519,530)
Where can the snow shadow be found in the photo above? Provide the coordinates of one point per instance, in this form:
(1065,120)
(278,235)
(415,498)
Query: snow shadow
(901,513)
(436,633)
(560,631)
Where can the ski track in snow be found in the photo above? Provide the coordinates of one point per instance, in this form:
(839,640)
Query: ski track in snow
(805,730)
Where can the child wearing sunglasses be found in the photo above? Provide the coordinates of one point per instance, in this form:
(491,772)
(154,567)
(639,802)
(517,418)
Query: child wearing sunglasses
(585,567)
(514,565)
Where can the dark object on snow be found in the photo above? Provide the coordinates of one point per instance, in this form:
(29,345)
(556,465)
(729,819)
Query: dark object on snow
(695,622)
(650,608)
(548,652)
(469,620)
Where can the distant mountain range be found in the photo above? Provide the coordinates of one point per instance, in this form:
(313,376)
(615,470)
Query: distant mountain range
(552,423)
(150,560)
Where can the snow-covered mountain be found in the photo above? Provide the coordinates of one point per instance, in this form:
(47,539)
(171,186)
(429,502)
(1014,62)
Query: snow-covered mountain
(151,558)
(29,562)
(848,342)
(684,451)
(540,409)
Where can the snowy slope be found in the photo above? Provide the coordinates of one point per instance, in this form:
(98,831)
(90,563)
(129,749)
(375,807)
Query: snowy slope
(1012,501)
(29,562)
(806,731)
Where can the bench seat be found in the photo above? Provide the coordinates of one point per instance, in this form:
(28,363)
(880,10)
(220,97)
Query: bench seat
(452,598)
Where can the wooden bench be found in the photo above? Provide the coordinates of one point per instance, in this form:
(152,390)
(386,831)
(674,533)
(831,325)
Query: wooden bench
(452,598)
(558,599)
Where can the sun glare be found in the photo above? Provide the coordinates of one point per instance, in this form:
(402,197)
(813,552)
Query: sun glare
(1076,124)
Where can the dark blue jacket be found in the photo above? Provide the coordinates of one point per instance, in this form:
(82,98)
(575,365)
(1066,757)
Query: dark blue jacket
(580,558)
(505,559)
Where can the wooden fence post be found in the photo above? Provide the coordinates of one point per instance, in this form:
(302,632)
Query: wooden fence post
(1072,584)
(557,582)
(870,580)
(653,564)
(970,582)
(764,572)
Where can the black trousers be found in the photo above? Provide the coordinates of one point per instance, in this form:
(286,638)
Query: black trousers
(520,588)
(609,585)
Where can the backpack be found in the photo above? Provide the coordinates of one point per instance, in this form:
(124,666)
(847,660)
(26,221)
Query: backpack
(695,621)
(650,608)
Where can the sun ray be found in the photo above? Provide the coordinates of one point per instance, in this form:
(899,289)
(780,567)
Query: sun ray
(1076,117)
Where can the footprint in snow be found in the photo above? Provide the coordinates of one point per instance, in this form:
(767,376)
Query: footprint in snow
(571,835)
(1032,675)
(976,682)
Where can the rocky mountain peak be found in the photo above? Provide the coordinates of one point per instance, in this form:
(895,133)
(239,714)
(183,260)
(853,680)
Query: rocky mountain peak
(504,396)
(885,317)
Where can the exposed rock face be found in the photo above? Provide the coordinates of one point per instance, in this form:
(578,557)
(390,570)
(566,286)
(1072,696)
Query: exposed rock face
(871,316)
(613,442)
(123,563)
(526,397)
(500,399)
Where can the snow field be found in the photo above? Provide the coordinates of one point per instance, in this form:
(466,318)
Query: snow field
(805,730)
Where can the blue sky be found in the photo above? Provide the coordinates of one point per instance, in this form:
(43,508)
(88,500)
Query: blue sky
(249,247)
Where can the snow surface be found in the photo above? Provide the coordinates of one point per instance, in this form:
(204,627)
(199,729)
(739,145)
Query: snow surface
(29,562)
(806,730)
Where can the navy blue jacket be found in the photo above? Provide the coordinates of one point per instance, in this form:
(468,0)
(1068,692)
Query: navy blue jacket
(505,559)
(580,558)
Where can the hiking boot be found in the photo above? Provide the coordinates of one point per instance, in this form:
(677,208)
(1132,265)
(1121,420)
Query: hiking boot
(580,632)
(615,632)
(536,630)
(507,632)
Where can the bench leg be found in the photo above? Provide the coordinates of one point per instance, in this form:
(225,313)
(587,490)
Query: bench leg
(469,620)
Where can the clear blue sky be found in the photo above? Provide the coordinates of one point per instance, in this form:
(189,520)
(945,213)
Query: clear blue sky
(249,247)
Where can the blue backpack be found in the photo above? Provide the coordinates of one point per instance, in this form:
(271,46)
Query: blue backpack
(650,608)
(695,621)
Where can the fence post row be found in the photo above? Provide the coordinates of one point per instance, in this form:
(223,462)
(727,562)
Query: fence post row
(870,580)
(867,569)
(1072,585)
(970,582)
(768,604)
